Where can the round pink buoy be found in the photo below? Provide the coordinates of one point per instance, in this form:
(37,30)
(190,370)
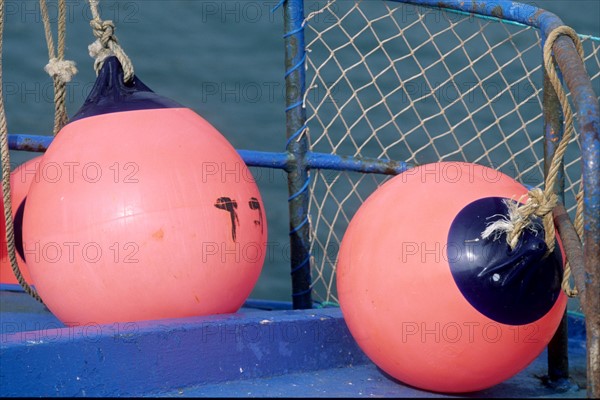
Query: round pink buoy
(20,180)
(429,300)
(142,210)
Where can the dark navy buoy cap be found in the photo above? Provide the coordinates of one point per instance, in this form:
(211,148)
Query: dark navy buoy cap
(513,287)
(111,94)
(18,229)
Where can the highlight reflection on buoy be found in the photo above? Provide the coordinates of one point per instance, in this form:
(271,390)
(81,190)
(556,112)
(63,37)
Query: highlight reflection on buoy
(432,303)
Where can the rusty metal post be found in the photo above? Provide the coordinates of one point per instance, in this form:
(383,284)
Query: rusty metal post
(558,351)
(587,111)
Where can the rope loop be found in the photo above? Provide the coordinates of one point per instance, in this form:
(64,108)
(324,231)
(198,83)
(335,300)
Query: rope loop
(540,203)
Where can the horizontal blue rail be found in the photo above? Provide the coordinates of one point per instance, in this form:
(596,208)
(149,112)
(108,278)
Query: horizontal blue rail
(36,143)
(39,143)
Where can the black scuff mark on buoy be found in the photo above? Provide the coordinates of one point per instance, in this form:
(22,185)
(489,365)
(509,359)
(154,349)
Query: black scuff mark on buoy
(255,205)
(229,205)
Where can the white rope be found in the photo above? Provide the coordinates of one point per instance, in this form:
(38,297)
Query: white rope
(64,70)
(58,68)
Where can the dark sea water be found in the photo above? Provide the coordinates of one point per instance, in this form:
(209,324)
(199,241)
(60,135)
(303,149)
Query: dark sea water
(223,59)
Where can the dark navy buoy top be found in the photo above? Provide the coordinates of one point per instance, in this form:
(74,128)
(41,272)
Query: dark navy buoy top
(513,287)
(111,94)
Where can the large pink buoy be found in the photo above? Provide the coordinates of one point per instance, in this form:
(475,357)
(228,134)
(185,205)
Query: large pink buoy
(429,300)
(143,210)
(20,180)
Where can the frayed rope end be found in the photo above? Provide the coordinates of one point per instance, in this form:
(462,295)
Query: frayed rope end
(64,70)
(515,220)
(505,224)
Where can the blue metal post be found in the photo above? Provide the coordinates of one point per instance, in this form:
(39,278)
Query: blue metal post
(297,147)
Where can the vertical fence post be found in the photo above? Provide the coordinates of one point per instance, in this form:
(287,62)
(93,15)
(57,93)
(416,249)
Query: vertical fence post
(297,147)
(590,143)
(558,358)
(558,351)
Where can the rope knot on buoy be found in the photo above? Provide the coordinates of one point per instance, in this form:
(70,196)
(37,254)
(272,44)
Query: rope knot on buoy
(103,31)
(538,204)
(63,70)
(106,44)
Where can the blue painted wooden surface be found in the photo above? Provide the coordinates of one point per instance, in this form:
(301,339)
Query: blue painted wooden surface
(263,350)
(135,358)
(366,380)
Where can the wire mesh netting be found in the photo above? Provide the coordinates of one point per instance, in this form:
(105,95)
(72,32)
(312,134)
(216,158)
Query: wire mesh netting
(408,83)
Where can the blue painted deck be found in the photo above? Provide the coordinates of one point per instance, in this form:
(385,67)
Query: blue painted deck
(264,350)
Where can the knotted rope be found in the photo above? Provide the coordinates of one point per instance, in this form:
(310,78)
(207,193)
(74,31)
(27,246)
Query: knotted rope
(106,43)
(6,195)
(58,68)
(540,203)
